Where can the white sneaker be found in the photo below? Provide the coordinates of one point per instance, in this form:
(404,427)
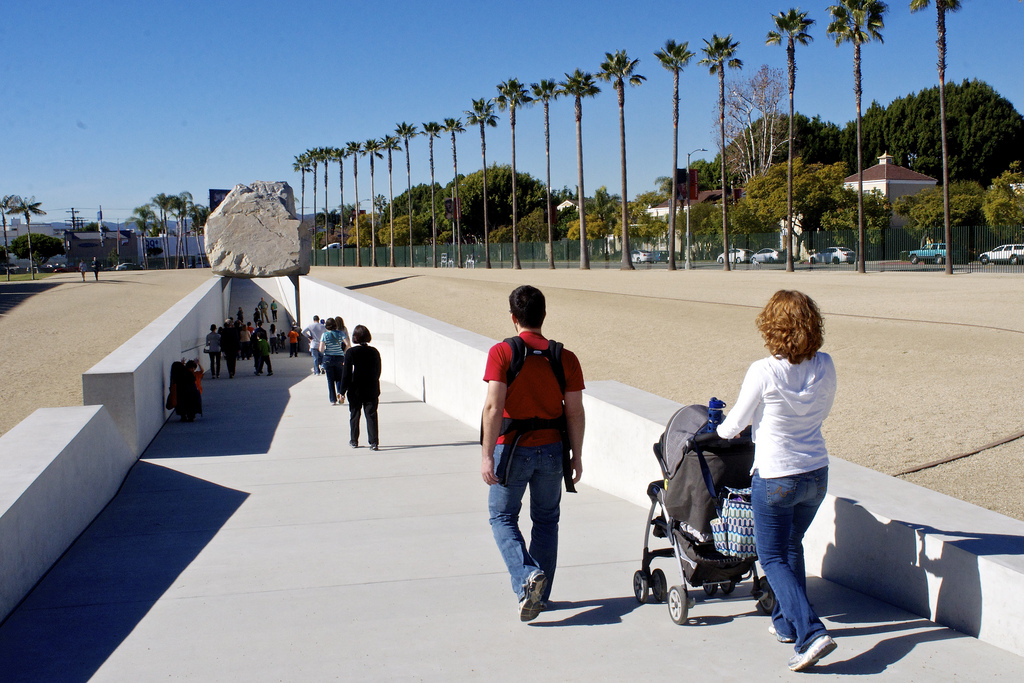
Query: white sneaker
(781,639)
(819,648)
(530,605)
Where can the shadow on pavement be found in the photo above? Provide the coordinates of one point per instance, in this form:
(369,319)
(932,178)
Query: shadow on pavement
(112,576)
(13,294)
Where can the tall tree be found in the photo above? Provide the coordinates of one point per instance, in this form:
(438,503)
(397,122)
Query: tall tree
(355,150)
(719,54)
(432,130)
(372,149)
(580,84)
(858,22)
(301,165)
(619,69)
(941,7)
(340,154)
(390,143)
(162,203)
(454,126)
(793,25)
(326,157)
(181,205)
(482,114)
(5,204)
(545,91)
(511,95)
(674,57)
(27,207)
(406,131)
(314,161)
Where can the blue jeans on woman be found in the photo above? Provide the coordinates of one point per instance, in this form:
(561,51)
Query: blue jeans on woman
(784,508)
(540,469)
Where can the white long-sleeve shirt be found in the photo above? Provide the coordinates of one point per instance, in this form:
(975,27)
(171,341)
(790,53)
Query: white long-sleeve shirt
(785,404)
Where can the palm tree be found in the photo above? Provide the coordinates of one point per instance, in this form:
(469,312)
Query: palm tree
(326,156)
(513,94)
(162,203)
(181,204)
(314,160)
(858,22)
(619,68)
(301,165)
(545,91)
(454,126)
(27,207)
(198,214)
(340,153)
(578,85)
(674,57)
(432,130)
(719,53)
(406,131)
(793,24)
(143,216)
(355,150)
(482,114)
(5,204)
(372,149)
(941,7)
(390,143)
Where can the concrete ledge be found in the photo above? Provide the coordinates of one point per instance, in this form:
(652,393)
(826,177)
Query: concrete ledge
(949,561)
(132,381)
(59,467)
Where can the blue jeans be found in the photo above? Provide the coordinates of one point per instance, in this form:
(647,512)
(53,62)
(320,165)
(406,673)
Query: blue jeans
(783,510)
(540,468)
(318,359)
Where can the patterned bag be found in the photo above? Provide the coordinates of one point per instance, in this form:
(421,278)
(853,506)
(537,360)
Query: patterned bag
(733,531)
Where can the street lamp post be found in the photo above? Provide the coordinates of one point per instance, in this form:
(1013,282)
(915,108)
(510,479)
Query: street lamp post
(688,264)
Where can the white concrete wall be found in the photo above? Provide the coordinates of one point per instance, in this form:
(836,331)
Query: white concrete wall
(132,382)
(59,468)
(938,557)
(280,289)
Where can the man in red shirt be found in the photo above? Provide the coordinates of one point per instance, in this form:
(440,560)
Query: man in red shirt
(530,456)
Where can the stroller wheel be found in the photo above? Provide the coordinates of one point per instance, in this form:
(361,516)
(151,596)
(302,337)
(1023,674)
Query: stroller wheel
(659,585)
(678,604)
(641,587)
(766,603)
(710,588)
(728,588)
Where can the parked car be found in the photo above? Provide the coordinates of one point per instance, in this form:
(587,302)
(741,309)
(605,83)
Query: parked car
(1004,253)
(767,255)
(834,255)
(332,245)
(641,256)
(736,256)
(129,266)
(934,252)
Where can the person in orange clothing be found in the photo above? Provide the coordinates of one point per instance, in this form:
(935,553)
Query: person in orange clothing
(293,342)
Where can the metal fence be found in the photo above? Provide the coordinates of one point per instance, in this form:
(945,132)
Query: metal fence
(886,250)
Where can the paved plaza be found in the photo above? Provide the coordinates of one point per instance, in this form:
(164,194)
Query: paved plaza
(256,545)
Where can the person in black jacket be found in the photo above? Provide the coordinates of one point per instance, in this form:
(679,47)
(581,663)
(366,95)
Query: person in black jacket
(229,344)
(361,383)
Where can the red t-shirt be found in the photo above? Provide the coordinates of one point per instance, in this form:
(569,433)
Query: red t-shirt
(535,392)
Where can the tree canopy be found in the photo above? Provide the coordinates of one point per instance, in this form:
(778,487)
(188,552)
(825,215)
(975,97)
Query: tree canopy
(44,247)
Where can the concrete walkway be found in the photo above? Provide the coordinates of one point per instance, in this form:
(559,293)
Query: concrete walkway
(256,545)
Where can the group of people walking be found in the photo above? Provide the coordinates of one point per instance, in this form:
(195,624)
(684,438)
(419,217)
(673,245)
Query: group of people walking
(532,435)
(352,368)
(238,340)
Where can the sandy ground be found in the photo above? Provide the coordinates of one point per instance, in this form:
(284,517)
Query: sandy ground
(928,366)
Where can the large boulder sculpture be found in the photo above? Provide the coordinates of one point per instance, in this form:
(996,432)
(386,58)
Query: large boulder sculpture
(255,233)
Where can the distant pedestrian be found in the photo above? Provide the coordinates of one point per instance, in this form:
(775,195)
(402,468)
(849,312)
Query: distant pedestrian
(229,344)
(96,268)
(361,381)
(273,338)
(313,333)
(83,267)
(293,342)
(244,342)
(261,348)
(273,309)
(256,316)
(213,351)
(240,316)
(264,307)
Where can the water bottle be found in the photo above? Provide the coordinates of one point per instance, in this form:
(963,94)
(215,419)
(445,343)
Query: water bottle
(714,414)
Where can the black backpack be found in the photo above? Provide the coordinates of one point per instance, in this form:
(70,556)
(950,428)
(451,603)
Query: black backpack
(519,427)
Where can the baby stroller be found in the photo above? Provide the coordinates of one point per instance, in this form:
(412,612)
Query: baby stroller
(682,510)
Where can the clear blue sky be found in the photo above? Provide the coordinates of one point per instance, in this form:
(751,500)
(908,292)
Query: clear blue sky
(111,102)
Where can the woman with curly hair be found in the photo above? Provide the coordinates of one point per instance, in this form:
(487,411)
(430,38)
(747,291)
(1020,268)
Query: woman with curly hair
(786,397)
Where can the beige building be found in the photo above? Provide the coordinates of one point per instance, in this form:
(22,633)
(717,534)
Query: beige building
(892,181)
